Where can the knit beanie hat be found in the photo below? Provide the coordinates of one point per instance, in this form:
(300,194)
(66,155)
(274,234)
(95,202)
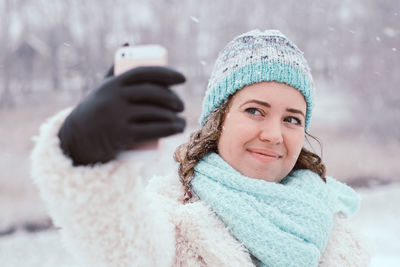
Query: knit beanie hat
(254,57)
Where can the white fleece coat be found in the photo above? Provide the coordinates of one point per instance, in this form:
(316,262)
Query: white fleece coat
(109,218)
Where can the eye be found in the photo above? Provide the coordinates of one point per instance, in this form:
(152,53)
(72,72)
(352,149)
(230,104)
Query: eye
(293,120)
(254,111)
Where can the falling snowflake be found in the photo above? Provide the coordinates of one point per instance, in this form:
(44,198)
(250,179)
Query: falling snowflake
(194,19)
(390,32)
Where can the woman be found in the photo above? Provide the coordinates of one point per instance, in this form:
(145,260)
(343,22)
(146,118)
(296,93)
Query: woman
(248,193)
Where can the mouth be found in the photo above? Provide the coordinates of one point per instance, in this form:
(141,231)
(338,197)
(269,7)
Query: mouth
(264,155)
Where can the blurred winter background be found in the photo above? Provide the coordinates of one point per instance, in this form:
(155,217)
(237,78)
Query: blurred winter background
(53,52)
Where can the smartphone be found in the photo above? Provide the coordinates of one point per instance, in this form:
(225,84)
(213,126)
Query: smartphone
(129,57)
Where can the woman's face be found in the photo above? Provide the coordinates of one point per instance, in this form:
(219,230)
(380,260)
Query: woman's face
(263,130)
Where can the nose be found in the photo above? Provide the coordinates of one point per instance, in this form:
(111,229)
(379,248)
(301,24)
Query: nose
(271,132)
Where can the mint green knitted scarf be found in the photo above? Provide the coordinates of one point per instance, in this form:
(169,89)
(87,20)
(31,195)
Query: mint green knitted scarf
(281,224)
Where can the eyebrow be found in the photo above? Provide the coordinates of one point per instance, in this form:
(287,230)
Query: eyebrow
(292,110)
(265,104)
(262,103)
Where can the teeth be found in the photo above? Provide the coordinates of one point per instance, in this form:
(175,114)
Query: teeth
(264,155)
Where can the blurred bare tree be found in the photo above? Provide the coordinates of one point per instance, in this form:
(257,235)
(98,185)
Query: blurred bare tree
(6,97)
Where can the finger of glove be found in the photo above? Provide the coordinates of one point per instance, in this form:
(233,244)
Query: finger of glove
(149,114)
(154,130)
(153,94)
(151,74)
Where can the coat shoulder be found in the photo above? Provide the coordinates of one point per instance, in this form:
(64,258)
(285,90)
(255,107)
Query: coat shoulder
(201,237)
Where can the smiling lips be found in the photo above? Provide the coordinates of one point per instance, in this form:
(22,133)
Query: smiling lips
(264,155)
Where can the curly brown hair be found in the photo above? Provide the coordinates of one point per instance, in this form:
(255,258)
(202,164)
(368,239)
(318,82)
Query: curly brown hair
(205,140)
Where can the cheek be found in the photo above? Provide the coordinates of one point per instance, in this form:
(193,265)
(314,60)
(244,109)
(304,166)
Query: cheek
(235,133)
(239,130)
(295,144)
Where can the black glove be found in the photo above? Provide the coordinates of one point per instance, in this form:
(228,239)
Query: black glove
(133,107)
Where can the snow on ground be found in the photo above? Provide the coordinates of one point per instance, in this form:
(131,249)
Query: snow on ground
(379,222)
(34,250)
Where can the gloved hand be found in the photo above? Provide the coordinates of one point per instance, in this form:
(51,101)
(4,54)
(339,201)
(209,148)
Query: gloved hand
(127,109)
